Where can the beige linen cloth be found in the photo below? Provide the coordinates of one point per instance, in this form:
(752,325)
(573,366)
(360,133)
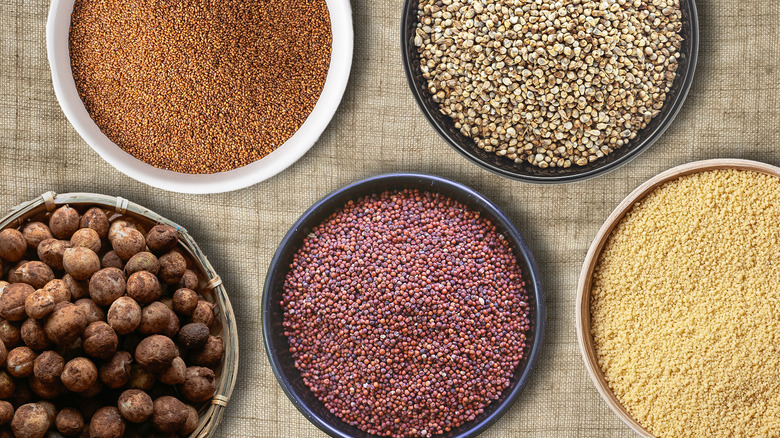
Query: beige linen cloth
(733,110)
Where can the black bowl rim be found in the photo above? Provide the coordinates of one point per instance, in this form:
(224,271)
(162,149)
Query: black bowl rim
(495,214)
(676,105)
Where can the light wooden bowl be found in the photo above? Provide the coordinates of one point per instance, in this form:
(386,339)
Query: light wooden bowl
(211,286)
(583,321)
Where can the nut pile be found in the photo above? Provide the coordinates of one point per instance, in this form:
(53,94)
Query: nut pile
(406,313)
(103,331)
(553,83)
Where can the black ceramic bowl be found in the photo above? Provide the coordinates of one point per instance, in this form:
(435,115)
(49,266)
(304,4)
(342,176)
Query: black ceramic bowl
(276,343)
(445,126)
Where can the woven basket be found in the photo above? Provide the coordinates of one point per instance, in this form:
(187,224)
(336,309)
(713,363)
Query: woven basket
(212,289)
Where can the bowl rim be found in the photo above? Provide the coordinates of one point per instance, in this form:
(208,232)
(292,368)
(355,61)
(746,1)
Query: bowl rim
(57,47)
(467,151)
(401,180)
(582,308)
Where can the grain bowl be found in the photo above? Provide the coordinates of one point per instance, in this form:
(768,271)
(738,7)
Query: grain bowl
(216,147)
(278,317)
(557,145)
(76,355)
(674,302)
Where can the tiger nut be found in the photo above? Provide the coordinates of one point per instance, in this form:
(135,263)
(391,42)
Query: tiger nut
(64,222)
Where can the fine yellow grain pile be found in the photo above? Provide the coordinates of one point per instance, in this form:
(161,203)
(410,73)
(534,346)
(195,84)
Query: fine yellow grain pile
(686,307)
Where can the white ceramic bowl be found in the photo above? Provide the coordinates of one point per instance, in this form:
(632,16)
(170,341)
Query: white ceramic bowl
(57,36)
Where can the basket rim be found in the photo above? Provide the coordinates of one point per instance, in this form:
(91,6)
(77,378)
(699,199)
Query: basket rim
(214,411)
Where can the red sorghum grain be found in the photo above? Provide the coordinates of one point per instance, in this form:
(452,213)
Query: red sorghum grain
(406,313)
(200,86)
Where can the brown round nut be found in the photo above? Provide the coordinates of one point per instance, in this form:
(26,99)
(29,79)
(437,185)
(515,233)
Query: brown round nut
(34,336)
(86,238)
(169,414)
(78,289)
(35,273)
(107,423)
(20,362)
(162,238)
(173,325)
(154,319)
(3,354)
(13,245)
(144,287)
(10,334)
(143,261)
(39,304)
(189,280)
(210,354)
(115,373)
(193,336)
(69,421)
(6,412)
(64,222)
(175,374)
(141,378)
(58,290)
(35,233)
(185,301)
(13,277)
(47,391)
(112,260)
(7,385)
(117,225)
(172,267)
(204,312)
(79,374)
(156,353)
(92,311)
(106,285)
(135,405)
(192,421)
(100,340)
(97,220)
(31,421)
(48,366)
(12,301)
(124,315)
(127,242)
(66,323)
(80,263)
(51,251)
(199,384)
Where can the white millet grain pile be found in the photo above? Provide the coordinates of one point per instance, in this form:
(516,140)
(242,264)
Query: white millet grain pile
(551,83)
(685,307)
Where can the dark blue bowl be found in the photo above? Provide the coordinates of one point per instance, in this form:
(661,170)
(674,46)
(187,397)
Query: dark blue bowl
(276,343)
(466,146)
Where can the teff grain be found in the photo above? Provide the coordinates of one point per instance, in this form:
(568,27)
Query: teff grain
(553,83)
(684,307)
(406,313)
(200,86)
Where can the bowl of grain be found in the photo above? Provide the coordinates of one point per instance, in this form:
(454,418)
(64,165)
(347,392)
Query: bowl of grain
(549,94)
(101,258)
(676,302)
(403,305)
(195,98)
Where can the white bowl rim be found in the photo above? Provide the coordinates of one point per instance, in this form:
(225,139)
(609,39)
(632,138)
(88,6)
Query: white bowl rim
(57,38)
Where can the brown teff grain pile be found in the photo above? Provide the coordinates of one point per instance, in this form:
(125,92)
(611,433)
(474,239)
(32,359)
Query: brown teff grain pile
(686,307)
(200,86)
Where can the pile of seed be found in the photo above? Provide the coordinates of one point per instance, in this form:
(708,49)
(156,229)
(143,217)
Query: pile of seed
(200,86)
(685,305)
(406,313)
(549,82)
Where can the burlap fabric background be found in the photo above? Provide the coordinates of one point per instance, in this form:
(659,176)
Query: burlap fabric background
(732,111)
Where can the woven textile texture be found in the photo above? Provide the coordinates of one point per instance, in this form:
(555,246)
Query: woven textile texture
(733,110)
